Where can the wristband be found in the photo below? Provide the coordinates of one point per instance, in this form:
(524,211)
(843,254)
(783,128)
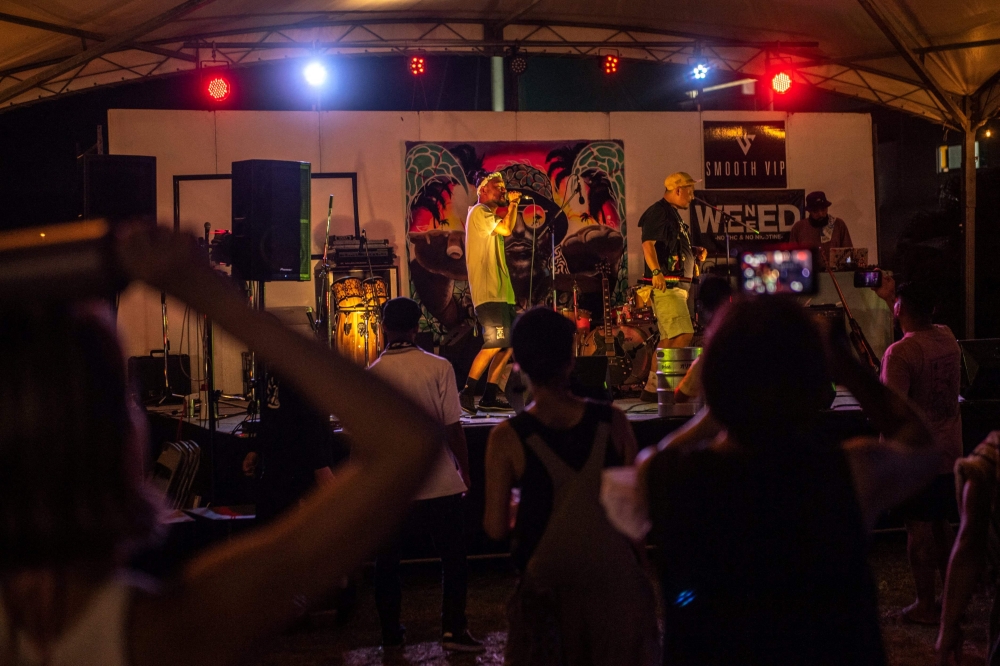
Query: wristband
(657,271)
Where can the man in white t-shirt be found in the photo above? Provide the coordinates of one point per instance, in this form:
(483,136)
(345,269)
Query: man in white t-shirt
(490,288)
(925,366)
(429,381)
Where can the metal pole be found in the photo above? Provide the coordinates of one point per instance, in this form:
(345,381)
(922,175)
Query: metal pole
(497,64)
(969,153)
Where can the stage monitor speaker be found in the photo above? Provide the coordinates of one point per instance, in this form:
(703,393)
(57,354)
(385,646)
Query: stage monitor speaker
(591,378)
(271,220)
(980,369)
(119,187)
(145,375)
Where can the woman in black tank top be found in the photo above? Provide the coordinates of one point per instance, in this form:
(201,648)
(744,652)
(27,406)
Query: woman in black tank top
(573,447)
(583,597)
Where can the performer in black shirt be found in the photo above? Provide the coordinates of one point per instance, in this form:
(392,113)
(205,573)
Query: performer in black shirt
(669,266)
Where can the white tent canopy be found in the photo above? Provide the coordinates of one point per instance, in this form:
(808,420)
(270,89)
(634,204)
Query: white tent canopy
(938,60)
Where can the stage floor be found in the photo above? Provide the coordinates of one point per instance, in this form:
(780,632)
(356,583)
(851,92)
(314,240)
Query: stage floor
(233,414)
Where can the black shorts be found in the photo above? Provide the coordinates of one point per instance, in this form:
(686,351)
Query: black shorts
(495,321)
(935,502)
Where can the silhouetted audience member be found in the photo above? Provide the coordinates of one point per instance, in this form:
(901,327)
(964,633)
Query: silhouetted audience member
(761,532)
(74,503)
(292,450)
(714,294)
(582,597)
(977,549)
(925,366)
(439,511)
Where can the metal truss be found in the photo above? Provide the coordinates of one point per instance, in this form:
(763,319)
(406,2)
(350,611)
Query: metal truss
(109,60)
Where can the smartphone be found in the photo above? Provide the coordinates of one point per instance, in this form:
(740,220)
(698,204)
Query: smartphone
(781,271)
(868,277)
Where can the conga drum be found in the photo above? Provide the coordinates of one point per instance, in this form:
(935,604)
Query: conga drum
(376,293)
(348,292)
(356,332)
(356,336)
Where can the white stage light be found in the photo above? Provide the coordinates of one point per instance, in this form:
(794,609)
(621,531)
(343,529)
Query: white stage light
(700,71)
(315,74)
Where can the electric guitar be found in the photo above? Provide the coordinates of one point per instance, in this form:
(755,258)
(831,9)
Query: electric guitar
(607,340)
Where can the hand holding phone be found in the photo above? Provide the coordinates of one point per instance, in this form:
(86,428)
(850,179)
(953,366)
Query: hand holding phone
(868,277)
(781,271)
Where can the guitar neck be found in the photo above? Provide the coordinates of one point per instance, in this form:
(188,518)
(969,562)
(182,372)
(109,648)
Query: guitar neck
(606,300)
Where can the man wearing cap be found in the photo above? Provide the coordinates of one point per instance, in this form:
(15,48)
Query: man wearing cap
(818,228)
(669,266)
(490,288)
(439,511)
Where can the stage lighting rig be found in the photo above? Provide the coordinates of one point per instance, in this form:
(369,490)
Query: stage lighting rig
(700,71)
(611,63)
(214,78)
(518,65)
(218,88)
(417,65)
(781,82)
(315,73)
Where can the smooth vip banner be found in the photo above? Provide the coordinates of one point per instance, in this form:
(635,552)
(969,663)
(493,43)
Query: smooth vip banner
(771,212)
(744,155)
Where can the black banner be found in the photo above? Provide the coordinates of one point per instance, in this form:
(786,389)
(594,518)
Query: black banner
(744,155)
(770,212)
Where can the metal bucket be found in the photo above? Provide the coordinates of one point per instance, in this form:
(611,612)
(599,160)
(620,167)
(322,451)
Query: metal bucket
(671,366)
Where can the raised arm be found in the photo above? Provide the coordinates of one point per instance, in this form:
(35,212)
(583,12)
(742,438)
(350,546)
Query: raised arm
(888,471)
(236,593)
(506,225)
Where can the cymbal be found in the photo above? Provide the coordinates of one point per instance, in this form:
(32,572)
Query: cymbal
(585,282)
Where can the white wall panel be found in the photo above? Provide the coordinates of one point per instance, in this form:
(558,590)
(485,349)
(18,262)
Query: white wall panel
(830,152)
(545,126)
(371,144)
(267,135)
(182,142)
(466,126)
(656,145)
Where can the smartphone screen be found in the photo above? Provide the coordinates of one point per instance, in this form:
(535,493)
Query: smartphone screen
(779,272)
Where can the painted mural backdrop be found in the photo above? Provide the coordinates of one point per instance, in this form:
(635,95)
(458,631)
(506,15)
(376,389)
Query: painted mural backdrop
(578,207)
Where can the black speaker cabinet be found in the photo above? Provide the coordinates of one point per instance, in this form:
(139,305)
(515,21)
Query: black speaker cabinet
(980,369)
(591,377)
(145,375)
(271,220)
(119,187)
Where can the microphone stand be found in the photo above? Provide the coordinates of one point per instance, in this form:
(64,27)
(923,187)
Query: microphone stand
(726,218)
(534,243)
(323,304)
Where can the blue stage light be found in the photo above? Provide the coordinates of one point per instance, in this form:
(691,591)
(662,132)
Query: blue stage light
(315,74)
(700,71)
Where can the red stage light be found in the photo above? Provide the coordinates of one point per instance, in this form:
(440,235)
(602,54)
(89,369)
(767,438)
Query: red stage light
(610,63)
(417,65)
(218,88)
(781,83)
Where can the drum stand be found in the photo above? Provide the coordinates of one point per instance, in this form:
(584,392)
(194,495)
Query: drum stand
(169,397)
